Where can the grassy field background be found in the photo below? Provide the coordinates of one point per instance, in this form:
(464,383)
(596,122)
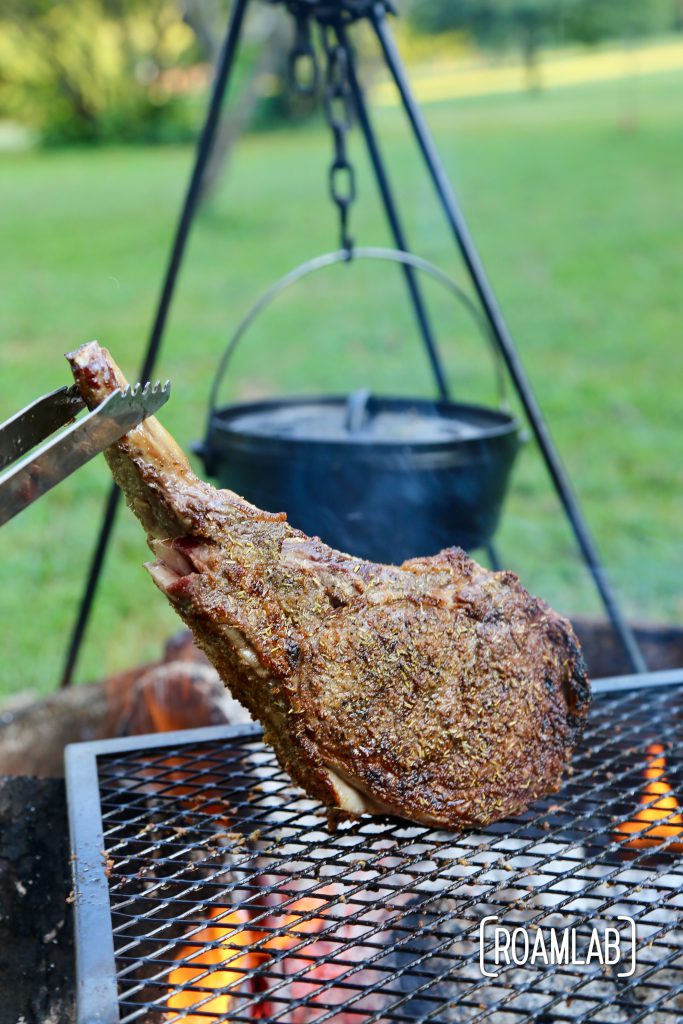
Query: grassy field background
(579,225)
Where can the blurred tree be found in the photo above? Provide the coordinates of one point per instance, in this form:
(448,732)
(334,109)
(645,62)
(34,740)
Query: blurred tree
(132,70)
(271,39)
(592,21)
(524,24)
(204,18)
(87,70)
(527,24)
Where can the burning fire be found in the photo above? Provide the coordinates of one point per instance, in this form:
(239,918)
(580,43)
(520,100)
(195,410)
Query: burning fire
(665,810)
(293,925)
(327,945)
(200,974)
(302,945)
(227,939)
(191,783)
(303,977)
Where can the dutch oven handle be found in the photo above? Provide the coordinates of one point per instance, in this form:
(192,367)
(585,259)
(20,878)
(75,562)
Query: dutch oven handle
(342,256)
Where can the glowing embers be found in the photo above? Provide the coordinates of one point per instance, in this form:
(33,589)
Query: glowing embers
(659,821)
(306,952)
(322,948)
(214,959)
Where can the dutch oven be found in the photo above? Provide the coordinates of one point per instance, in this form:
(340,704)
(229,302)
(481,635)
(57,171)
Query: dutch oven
(384,478)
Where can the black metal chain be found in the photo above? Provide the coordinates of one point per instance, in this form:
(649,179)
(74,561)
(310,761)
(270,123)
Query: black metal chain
(302,65)
(338,105)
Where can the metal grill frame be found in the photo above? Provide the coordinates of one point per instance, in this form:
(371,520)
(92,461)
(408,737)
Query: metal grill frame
(98,999)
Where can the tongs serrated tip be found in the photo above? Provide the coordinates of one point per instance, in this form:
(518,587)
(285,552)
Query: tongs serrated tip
(30,475)
(157,388)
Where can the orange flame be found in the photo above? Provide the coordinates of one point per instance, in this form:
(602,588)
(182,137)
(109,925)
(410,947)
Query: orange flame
(665,810)
(307,973)
(294,926)
(190,783)
(229,938)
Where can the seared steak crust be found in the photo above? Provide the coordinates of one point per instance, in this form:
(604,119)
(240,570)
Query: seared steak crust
(437,691)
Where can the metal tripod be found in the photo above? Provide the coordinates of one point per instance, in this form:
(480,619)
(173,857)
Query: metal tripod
(334,19)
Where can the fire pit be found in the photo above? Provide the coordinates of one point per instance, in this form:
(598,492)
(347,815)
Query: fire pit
(208,889)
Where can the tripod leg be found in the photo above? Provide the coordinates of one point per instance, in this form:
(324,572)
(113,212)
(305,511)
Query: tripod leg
(206,139)
(393,218)
(398,234)
(504,341)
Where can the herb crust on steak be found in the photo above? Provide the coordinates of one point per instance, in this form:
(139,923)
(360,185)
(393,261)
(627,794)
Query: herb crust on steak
(437,690)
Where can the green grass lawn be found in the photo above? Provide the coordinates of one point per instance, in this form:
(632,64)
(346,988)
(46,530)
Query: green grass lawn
(579,225)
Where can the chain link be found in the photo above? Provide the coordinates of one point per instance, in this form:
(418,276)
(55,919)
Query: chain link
(304,79)
(338,108)
(302,65)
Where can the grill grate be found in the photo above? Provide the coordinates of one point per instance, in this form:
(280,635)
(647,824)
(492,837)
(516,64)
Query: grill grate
(229,899)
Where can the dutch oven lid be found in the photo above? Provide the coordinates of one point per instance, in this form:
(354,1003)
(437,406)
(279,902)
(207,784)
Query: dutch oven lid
(361,418)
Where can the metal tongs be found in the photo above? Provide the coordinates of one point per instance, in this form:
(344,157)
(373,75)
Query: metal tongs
(38,471)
